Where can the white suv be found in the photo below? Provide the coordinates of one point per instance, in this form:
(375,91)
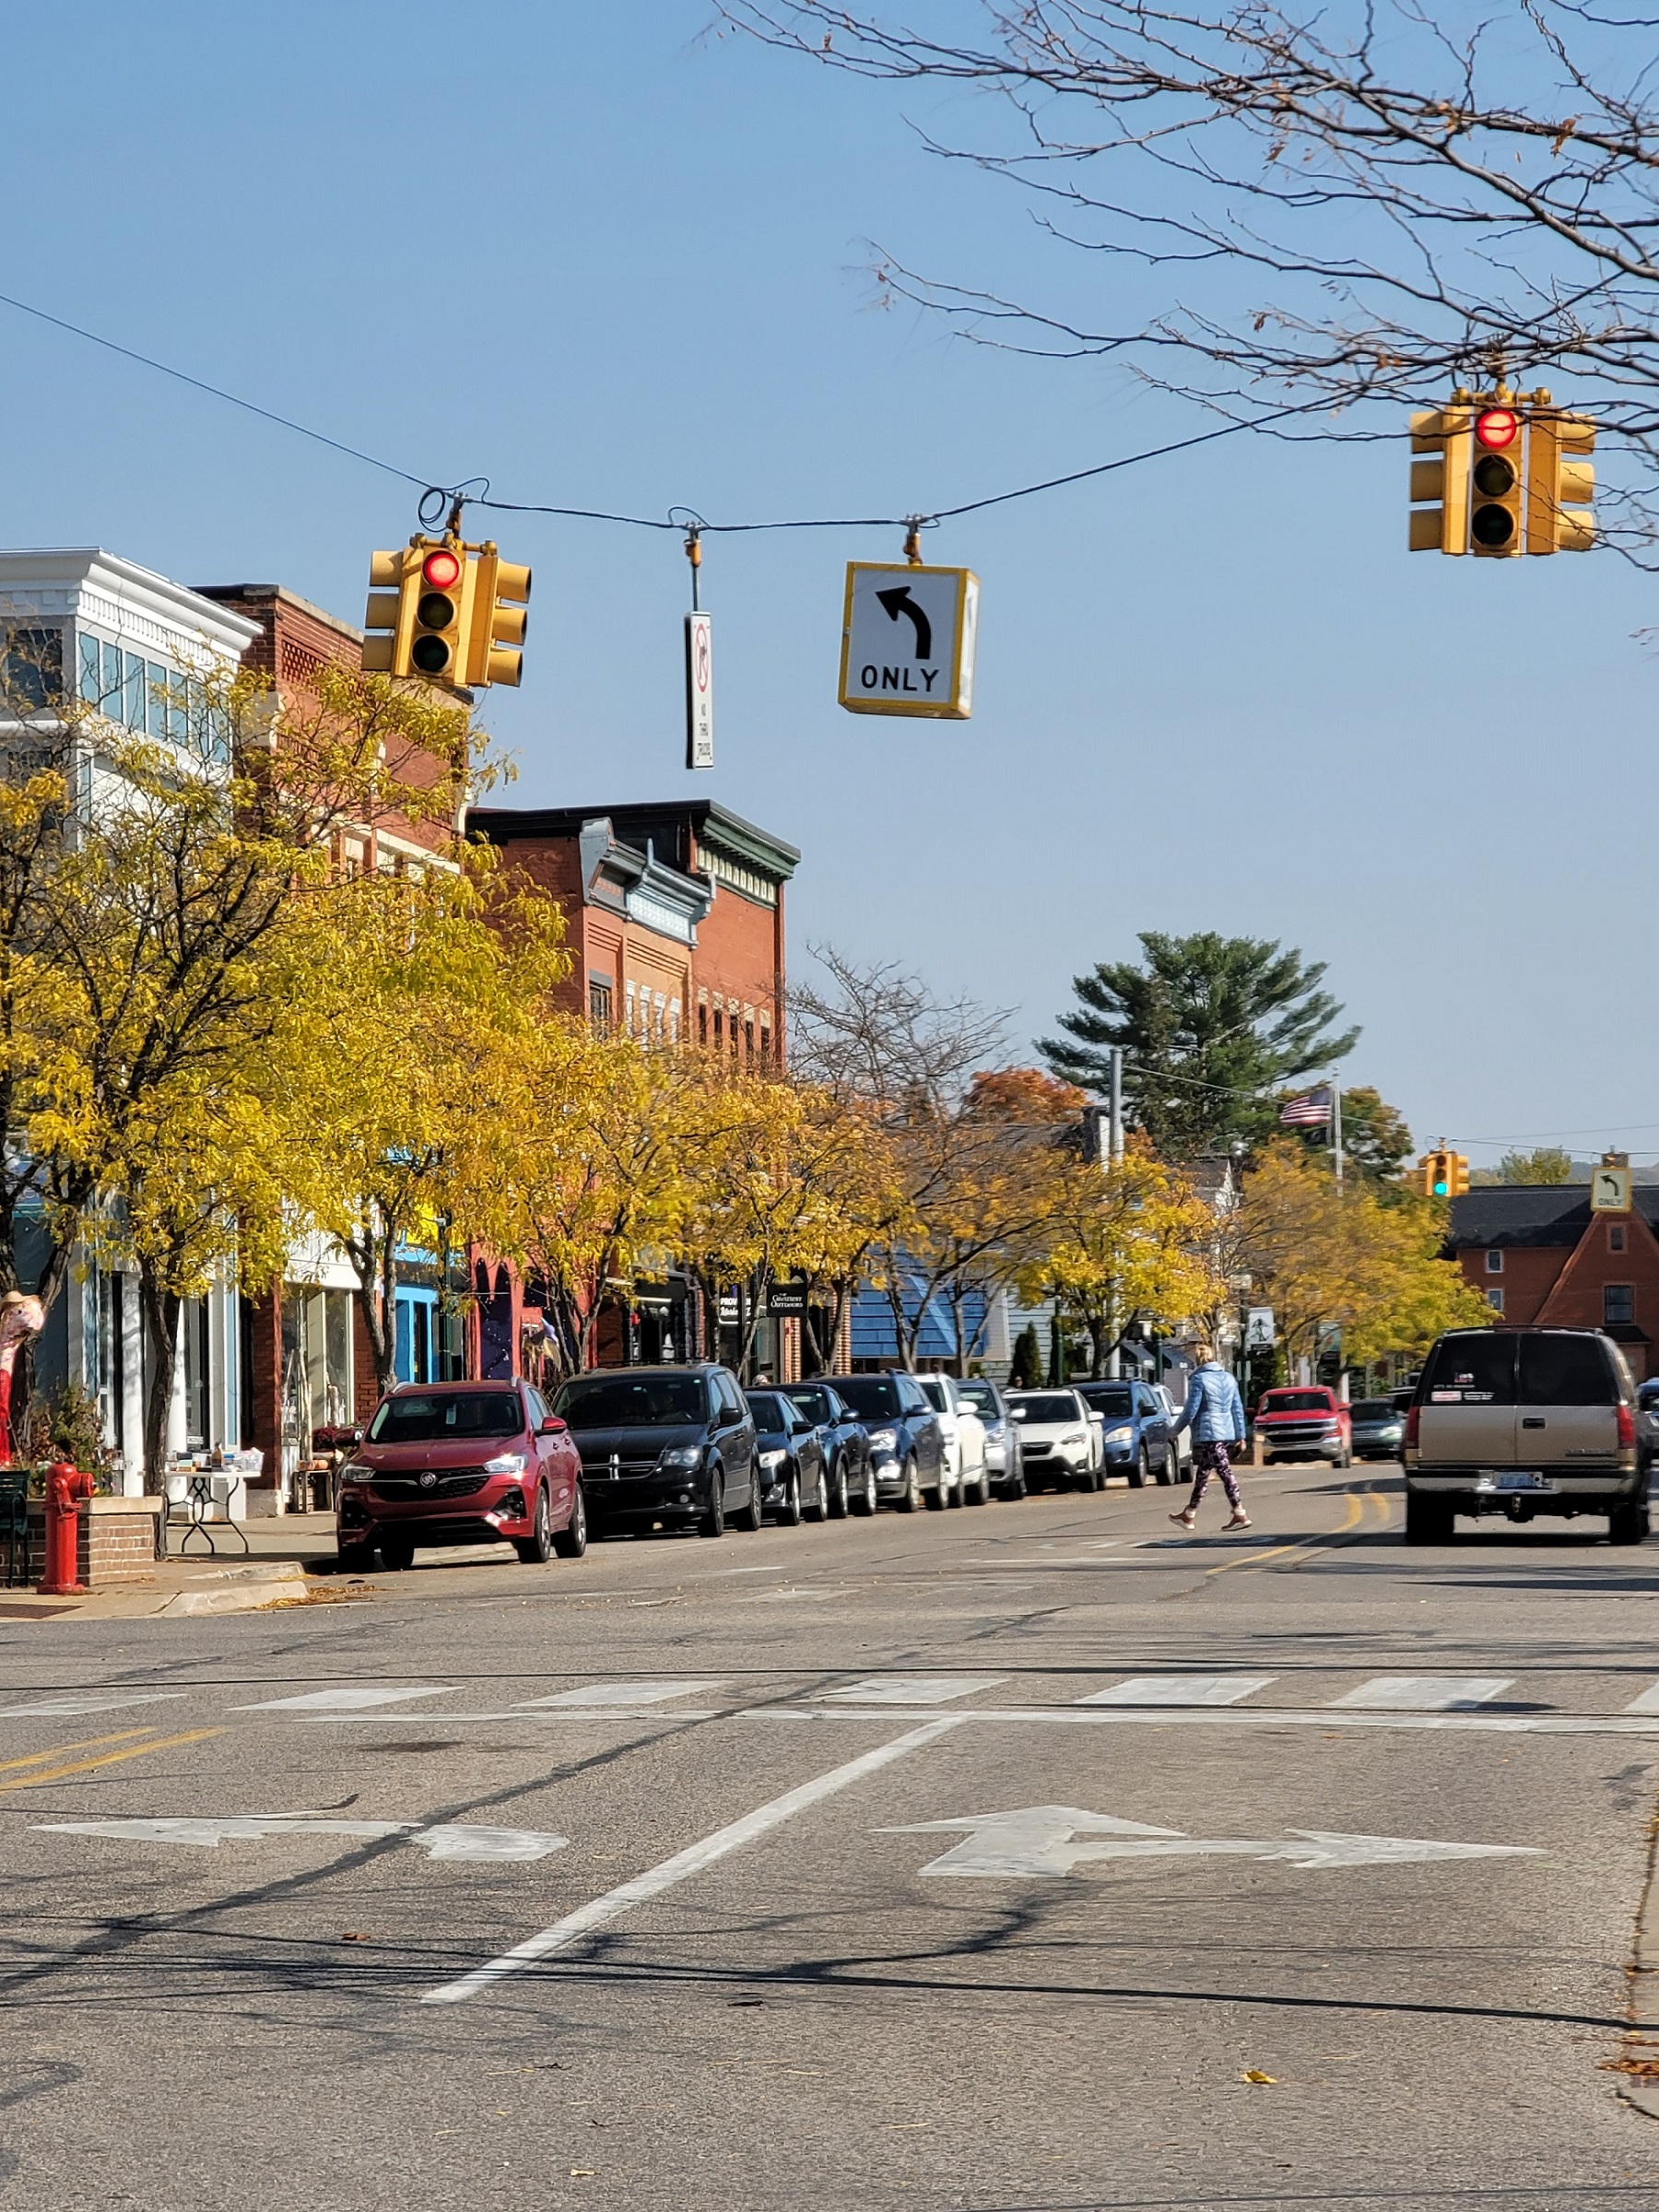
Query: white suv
(1058,1440)
(966,1469)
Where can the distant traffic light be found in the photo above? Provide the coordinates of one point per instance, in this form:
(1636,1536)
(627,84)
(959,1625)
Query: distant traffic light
(1558,487)
(1445,1174)
(1444,526)
(498,620)
(1496,498)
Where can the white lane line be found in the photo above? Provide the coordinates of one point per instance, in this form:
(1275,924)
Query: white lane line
(88,1702)
(1323,1716)
(1424,1693)
(913,1689)
(601,1910)
(598,1695)
(1647,1702)
(1180,1689)
(345,1701)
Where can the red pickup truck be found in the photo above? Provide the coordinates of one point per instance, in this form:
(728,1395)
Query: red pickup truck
(1307,1422)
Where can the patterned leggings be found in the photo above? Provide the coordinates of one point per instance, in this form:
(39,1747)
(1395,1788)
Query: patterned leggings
(1207,1460)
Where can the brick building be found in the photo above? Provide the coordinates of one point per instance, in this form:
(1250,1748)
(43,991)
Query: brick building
(1539,1256)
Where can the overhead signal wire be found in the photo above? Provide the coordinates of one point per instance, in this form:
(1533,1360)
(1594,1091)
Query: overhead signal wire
(450,494)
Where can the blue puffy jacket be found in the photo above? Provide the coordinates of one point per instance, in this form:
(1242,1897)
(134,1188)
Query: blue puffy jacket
(1214,1410)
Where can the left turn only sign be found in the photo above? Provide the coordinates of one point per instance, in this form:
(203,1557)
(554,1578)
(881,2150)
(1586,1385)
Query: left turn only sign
(907,636)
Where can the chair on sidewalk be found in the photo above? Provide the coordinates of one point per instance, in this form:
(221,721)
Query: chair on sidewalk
(14,1522)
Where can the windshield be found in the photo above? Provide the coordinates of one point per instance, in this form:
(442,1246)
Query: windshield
(1047,1406)
(446,1417)
(933,1390)
(1375,1409)
(1295,1401)
(1117,1403)
(632,1402)
(768,1409)
(814,1403)
(870,1396)
(982,1397)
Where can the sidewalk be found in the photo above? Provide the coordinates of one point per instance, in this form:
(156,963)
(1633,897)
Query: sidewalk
(280,1566)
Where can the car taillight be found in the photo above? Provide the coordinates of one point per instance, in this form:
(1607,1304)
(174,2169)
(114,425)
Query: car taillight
(1626,1428)
(1411,1428)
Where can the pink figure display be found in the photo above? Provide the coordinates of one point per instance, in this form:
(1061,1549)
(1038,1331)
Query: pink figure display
(21,1318)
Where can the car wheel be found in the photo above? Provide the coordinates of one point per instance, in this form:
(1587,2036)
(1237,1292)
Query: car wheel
(712,1523)
(1269,1460)
(863,1502)
(819,1508)
(753,1515)
(354,1558)
(1428,1520)
(1016,1484)
(838,1494)
(1628,1523)
(959,1490)
(981,1492)
(570,1542)
(789,1513)
(397,1554)
(910,1496)
(536,1549)
(1167,1468)
(938,1498)
(1140,1470)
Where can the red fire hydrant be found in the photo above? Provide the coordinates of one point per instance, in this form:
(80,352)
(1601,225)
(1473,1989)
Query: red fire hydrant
(67,1490)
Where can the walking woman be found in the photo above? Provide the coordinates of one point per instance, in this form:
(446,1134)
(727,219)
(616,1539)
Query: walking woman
(1214,1413)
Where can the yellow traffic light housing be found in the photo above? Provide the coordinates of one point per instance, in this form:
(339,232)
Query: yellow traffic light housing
(382,623)
(1559,485)
(1496,490)
(1445,1174)
(500,590)
(1444,526)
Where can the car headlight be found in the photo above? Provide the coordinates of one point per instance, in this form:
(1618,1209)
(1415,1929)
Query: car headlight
(505,1463)
(771,1459)
(995,1430)
(1123,1435)
(356,1471)
(1073,1436)
(682,1455)
(883,1439)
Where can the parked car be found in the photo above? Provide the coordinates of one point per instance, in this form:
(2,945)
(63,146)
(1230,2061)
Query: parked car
(964,1435)
(1002,1436)
(1521,1422)
(1647,1423)
(665,1446)
(1378,1428)
(460,1463)
(907,1444)
(1305,1421)
(1135,1429)
(789,1458)
(1184,1442)
(844,1444)
(1056,1439)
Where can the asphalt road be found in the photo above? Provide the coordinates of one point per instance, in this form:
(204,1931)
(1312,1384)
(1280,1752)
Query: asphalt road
(694,1936)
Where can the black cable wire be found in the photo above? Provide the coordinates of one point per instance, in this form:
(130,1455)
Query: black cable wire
(433,493)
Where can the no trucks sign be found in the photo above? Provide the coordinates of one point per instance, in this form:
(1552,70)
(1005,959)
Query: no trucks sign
(907,639)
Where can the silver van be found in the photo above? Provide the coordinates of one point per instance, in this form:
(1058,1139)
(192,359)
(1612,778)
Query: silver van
(1521,1422)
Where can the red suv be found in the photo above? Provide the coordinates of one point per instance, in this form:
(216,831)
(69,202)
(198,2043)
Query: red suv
(1306,1422)
(462,1462)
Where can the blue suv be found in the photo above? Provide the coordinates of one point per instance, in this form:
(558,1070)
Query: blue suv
(1137,1439)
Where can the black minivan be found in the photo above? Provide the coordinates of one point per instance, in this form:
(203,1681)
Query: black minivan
(668,1447)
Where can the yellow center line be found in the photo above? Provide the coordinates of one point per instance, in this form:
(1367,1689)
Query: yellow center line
(109,1759)
(1355,1513)
(1385,1509)
(88,1743)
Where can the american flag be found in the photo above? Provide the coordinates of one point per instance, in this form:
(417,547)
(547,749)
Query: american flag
(1308,1109)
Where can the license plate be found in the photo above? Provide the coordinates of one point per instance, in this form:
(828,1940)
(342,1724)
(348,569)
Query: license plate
(1519,1482)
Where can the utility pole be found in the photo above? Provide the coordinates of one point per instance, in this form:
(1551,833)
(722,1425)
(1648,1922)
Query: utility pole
(1337,1130)
(1114,1358)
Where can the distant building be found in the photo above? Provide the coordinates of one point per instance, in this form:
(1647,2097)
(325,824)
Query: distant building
(1540,1257)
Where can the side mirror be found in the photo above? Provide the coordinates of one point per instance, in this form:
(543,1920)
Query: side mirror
(553,1426)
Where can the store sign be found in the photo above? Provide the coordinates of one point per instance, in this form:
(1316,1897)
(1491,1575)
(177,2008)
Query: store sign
(782,1298)
(729,1313)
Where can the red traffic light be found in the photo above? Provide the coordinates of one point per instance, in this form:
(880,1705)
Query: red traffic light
(441,569)
(1497,427)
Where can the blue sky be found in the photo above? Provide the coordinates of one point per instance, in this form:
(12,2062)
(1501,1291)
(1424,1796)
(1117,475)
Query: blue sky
(611,259)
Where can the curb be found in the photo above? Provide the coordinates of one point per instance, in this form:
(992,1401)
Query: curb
(1641,2091)
(238,1590)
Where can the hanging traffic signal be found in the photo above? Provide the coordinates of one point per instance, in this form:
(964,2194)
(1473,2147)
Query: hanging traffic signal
(438,633)
(382,623)
(1457,1176)
(498,622)
(1496,494)
(1445,1174)
(1444,526)
(1559,485)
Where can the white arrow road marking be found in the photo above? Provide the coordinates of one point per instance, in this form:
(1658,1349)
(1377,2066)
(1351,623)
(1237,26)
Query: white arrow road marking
(88,1702)
(601,1910)
(1647,1702)
(1180,1689)
(1424,1693)
(601,1694)
(344,1700)
(1054,1839)
(448,1840)
(913,1689)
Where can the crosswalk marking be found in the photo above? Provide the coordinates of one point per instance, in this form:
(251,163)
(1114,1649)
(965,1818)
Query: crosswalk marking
(1180,1689)
(344,1700)
(1647,1702)
(913,1689)
(1424,1693)
(88,1702)
(601,1694)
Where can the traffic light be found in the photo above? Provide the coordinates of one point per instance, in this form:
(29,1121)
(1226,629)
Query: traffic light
(1496,487)
(440,589)
(1444,526)
(1445,1174)
(1559,486)
(382,621)
(498,620)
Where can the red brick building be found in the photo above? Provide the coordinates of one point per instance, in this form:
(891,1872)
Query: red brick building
(1539,1256)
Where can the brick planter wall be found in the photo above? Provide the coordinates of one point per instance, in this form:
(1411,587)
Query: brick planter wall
(116,1541)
